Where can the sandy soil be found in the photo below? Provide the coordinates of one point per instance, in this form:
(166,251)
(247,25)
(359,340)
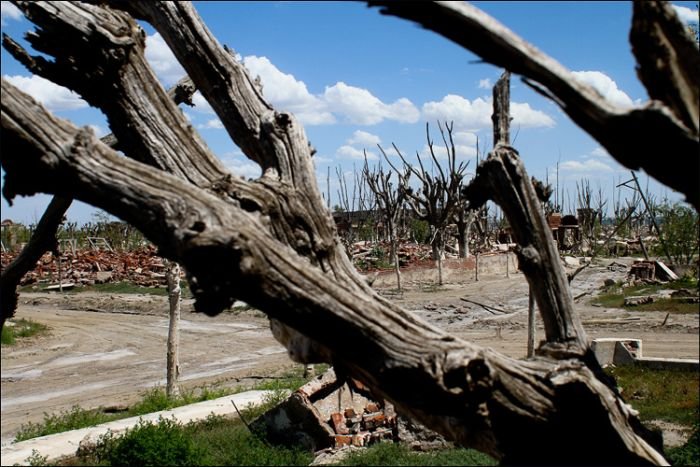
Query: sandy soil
(105,350)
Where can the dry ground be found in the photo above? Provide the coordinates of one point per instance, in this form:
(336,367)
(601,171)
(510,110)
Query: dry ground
(106,349)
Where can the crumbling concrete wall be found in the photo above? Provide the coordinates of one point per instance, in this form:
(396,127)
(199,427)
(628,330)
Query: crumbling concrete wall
(454,270)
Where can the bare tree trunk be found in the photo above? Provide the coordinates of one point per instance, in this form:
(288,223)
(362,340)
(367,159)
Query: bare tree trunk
(476,267)
(395,258)
(531,318)
(173,362)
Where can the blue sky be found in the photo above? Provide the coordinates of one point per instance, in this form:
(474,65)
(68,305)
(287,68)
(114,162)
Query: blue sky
(356,79)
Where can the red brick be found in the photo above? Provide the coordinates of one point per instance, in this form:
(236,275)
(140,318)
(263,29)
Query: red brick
(360,439)
(372,407)
(338,423)
(350,412)
(343,440)
(373,420)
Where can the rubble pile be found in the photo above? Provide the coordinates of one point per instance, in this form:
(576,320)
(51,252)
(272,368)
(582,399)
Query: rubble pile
(359,430)
(87,267)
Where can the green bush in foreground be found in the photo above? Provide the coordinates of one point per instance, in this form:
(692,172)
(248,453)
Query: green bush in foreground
(398,454)
(689,453)
(146,444)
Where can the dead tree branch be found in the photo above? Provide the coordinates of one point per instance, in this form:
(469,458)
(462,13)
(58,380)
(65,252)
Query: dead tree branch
(668,64)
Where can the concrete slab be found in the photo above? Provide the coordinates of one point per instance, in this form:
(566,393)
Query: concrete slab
(65,444)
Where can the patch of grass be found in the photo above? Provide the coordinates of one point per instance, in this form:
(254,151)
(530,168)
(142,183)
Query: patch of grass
(669,395)
(398,454)
(689,453)
(216,440)
(291,380)
(154,400)
(614,297)
(63,421)
(21,328)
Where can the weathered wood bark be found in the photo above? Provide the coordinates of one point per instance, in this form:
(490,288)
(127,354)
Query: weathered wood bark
(531,318)
(172,360)
(43,239)
(668,63)
(272,243)
(44,236)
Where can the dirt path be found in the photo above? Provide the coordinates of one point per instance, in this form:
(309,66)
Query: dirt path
(105,350)
(104,359)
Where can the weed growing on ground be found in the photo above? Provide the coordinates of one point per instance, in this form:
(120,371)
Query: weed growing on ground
(36,459)
(614,297)
(689,453)
(399,454)
(669,395)
(21,328)
(154,400)
(65,420)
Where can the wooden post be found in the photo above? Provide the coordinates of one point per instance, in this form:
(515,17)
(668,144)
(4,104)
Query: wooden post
(173,364)
(530,324)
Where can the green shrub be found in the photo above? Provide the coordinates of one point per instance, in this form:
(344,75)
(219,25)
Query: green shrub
(8,337)
(162,443)
(21,328)
(689,453)
(63,421)
(399,454)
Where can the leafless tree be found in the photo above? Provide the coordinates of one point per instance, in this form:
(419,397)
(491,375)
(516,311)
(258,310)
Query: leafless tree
(272,243)
(438,195)
(390,197)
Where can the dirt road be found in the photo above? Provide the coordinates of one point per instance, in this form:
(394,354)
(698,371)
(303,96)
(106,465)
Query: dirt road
(104,350)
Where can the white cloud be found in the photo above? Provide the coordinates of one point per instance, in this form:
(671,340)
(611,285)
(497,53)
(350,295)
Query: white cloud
(51,95)
(287,93)
(237,163)
(686,14)
(587,166)
(361,107)
(526,117)
(354,153)
(466,138)
(339,101)
(98,130)
(476,114)
(465,113)
(9,11)
(485,83)
(599,151)
(321,159)
(606,87)
(162,60)
(213,124)
(201,105)
(364,138)
(462,152)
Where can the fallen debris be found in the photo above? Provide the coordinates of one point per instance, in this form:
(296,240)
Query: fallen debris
(87,267)
(329,413)
(638,300)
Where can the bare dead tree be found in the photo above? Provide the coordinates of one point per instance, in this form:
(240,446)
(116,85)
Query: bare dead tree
(438,196)
(390,197)
(272,243)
